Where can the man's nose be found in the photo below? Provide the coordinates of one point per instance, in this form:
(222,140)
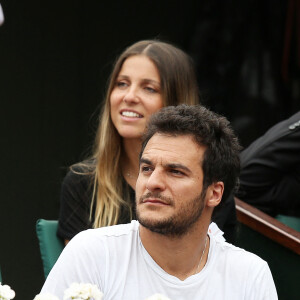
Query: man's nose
(156,181)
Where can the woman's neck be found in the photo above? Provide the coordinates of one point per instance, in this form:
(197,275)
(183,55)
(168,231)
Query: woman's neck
(130,160)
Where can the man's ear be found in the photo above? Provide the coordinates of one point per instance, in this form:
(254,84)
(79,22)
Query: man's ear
(214,194)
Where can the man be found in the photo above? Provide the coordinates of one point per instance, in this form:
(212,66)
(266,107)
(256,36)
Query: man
(270,176)
(189,159)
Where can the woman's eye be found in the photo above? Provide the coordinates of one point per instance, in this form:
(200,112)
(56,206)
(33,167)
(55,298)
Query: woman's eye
(150,89)
(121,84)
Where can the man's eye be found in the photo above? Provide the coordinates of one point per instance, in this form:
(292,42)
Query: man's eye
(176,172)
(145,169)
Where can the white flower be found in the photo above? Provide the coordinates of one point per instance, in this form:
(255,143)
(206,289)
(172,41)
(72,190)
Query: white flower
(83,291)
(158,297)
(45,297)
(6,293)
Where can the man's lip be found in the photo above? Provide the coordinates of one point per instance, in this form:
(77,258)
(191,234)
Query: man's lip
(154,201)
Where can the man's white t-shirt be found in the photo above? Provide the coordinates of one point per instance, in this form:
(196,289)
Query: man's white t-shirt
(115,260)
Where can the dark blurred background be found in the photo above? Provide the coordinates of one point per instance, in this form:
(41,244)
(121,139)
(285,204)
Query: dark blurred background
(55,58)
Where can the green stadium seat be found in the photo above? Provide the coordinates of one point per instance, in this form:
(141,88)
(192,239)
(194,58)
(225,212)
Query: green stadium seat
(50,244)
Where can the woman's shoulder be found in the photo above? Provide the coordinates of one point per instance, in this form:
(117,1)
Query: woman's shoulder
(81,173)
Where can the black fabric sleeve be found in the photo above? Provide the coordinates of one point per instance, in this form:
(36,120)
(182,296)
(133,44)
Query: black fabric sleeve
(75,201)
(270,175)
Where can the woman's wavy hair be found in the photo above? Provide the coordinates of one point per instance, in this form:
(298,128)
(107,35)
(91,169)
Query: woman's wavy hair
(178,85)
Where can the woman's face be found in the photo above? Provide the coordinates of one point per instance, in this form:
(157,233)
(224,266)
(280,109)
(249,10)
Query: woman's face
(136,96)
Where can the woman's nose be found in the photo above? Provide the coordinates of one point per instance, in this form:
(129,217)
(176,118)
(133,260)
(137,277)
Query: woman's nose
(131,95)
(156,181)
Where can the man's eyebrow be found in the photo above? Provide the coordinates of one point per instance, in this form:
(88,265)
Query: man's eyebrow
(178,166)
(145,161)
(169,166)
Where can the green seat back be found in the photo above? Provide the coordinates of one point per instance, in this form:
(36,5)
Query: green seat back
(290,221)
(50,244)
(284,263)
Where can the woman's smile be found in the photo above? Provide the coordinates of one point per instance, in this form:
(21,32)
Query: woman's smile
(135,96)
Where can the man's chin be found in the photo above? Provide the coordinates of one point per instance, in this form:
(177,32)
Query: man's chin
(154,225)
(164,227)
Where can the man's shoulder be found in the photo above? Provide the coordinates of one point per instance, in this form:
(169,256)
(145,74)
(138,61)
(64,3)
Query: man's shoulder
(237,256)
(119,230)
(111,231)
(285,131)
(105,238)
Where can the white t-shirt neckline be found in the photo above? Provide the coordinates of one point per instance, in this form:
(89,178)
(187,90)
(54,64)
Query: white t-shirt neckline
(192,279)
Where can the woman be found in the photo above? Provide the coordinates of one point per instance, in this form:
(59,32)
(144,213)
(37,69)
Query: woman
(100,191)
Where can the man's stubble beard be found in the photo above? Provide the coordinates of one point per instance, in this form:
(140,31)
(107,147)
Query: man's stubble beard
(178,224)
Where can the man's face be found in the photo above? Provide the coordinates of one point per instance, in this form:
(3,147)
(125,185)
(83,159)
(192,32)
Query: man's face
(169,186)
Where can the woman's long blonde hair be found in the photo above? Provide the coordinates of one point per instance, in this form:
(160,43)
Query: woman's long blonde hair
(178,85)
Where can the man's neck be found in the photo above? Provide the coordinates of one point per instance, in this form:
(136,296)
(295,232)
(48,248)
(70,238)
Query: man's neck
(181,256)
